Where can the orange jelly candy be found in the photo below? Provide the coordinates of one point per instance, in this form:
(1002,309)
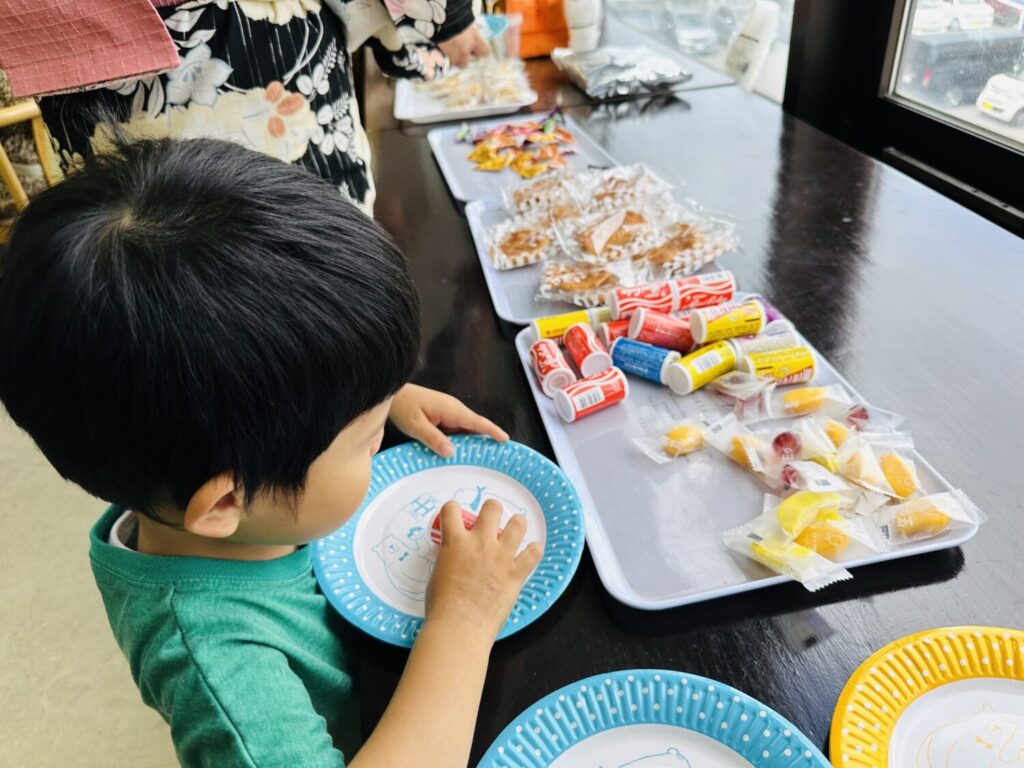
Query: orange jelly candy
(921,520)
(899,474)
(824,538)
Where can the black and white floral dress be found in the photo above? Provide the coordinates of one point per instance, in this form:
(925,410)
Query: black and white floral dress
(274,75)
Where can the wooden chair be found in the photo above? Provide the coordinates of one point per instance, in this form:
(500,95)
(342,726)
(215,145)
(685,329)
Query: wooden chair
(25,111)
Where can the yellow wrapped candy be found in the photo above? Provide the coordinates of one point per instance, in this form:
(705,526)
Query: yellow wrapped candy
(804,400)
(921,520)
(801,509)
(741,445)
(899,474)
(825,538)
(779,557)
(828,461)
(683,440)
(836,432)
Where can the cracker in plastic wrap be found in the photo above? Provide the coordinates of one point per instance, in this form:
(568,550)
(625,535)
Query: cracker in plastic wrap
(520,241)
(579,283)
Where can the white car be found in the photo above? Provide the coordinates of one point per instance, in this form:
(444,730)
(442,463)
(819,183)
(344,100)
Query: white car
(969,14)
(931,17)
(1003,98)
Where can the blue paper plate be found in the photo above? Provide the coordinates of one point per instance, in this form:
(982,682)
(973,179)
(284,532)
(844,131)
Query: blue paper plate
(650,718)
(374,570)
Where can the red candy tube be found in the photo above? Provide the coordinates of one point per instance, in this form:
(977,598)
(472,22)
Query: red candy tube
(548,362)
(591,394)
(612,330)
(585,350)
(661,330)
(625,302)
(468,521)
(703,290)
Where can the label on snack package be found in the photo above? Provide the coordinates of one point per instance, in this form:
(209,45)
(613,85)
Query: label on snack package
(727,321)
(703,290)
(641,359)
(787,366)
(555,326)
(708,363)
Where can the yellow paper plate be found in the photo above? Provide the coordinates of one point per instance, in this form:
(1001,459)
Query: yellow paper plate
(945,698)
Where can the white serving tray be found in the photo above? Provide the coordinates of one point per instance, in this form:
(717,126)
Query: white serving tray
(418,106)
(655,530)
(467,183)
(513,290)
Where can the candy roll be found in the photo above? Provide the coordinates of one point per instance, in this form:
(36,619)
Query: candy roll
(791,365)
(586,350)
(704,290)
(555,326)
(644,360)
(609,331)
(774,336)
(661,330)
(658,297)
(727,321)
(690,373)
(591,394)
(548,362)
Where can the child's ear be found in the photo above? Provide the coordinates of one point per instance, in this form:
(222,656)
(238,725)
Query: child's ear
(215,510)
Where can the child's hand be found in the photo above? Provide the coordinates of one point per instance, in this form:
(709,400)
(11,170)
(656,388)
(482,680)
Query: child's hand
(421,413)
(478,576)
(467,44)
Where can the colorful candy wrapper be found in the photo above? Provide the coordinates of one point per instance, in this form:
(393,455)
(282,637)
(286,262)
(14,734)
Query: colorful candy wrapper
(739,444)
(895,452)
(858,463)
(927,517)
(679,438)
(788,558)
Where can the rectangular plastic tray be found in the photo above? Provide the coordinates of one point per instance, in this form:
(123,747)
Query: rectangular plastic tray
(513,290)
(467,183)
(655,530)
(418,106)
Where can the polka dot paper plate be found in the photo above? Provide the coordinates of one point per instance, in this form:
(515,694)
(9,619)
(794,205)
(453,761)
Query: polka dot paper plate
(375,569)
(945,698)
(650,718)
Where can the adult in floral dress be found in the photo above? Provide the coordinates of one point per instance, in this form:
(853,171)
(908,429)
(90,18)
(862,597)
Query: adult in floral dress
(274,75)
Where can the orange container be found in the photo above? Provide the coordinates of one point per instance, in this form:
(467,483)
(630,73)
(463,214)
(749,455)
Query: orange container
(544,27)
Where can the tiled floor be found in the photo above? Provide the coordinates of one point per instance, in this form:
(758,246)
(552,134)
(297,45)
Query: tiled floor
(66,697)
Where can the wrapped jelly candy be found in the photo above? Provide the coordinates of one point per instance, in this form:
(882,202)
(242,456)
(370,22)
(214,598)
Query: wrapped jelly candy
(811,476)
(832,534)
(738,385)
(863,417)
(895,453)
(679,438)
(836,432)
(788,558)
(927,517)
(741,445)
(800,401)
(795,512)
(858,463)
(803,439)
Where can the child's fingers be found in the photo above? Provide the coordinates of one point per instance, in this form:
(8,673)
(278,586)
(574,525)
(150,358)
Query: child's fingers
(452,526)
(528,559)
(489,519)
(513,533)
(432,437)
(471,421)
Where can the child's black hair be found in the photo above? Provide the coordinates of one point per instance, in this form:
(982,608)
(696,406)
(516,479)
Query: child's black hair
(180,309)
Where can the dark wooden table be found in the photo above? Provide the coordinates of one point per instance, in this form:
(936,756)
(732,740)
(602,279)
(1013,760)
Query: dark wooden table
(915,300)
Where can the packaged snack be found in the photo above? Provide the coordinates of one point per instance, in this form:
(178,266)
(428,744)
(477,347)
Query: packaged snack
(519,242)
(737,385)
(622,186)
(804,439)
(700,367)
(795,512)
(483,82)
(659,297)
(684,244)
(586,285)
(788,558)
(738,443)
(640,359)
(586,350)
(555,326)
(836,432)
(591,394)
(927,517)
(895,453)
(863,417)
(674,295)
(611,330)
(858,463)
(791,365)
(530,147)
(800,401)
(549,364)
(778,334)
(607,236)
(542,193)
(832,533)
(661,330)
(680,438)
(811,476)
(726,321)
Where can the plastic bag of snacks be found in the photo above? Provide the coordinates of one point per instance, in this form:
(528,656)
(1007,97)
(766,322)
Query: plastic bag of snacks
(520,241)
(895,452)
(787,517)
(614,71)
(671,441)
(811,476)
(685,241)
(607,236)
(782,402)
(742,446)
(543,193)
(858,463)
(788,558)
(622,186)
(585,285)
(927,517)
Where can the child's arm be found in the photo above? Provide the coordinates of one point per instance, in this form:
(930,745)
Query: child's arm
(421,413)
(430,720)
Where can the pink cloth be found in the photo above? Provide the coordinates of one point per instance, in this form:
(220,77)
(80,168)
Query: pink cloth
(47,46)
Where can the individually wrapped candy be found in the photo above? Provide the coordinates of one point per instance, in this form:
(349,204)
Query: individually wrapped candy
(671,441)
(863,417)
(832,534)
(804,439)
(895,452)
(927,517)
(858,463)
(800,401)
(739,385)
(610,72)
(798,510)
(520,241)
(811,476)
(605,236)
(585,285)
(741,445)
(788,558)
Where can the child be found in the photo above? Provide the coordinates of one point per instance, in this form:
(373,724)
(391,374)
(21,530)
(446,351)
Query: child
(209,339)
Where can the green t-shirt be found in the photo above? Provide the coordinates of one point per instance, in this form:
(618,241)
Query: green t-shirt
(244,660)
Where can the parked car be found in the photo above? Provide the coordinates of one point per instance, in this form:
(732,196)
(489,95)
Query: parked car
(931,17)
(952,69)
(969,14)
(1003,97)
(1009,13)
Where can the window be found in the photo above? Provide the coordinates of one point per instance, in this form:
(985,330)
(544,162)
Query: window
(712,33)
(962,62)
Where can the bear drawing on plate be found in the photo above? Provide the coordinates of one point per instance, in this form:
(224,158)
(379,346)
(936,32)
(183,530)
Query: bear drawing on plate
(986,739)
(671,758)
(407,571)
